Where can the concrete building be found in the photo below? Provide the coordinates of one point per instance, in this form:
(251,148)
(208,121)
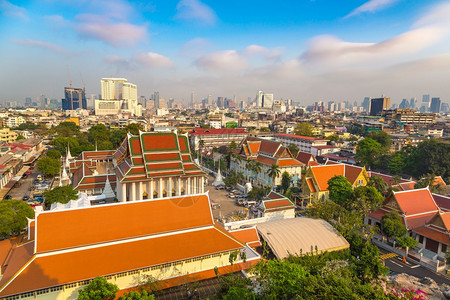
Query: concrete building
(377,105)
(117,96)
(216,137)
(74,98)
(304,143)
(174,240)
(7,135)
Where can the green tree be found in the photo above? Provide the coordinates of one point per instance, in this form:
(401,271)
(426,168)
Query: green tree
(116,137)
(67,129)
(13,217)
(293,148)
(53,154)
(406,242)
(340,190)
(378,183)
(368,152)
(333,138)
(98,133)
(135,295)
(304,129)
(285,181)
(133,128)
(430,156)
(49,166)
(61,194)
(367,264)
(365,199)
(381,137)
(397,162)
(280,279)
(392,225)
(98,289)
(20,137)
(264,129)
(428,181)
(274,172)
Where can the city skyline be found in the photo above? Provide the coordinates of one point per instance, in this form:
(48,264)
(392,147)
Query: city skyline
(308,51)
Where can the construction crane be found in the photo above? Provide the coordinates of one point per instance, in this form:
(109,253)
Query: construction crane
(68,75)
(82,81)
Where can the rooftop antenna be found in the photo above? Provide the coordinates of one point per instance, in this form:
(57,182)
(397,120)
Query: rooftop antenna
(68,75)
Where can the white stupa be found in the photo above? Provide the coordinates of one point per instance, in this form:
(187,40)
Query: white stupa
(219,180)
(108,191)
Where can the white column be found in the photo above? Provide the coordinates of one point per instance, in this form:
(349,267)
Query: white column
(188,186)
(133,191)
(169,192)
(150,189)
(124,191)
(202,182)
(178,191)
(141,191)
(160,193)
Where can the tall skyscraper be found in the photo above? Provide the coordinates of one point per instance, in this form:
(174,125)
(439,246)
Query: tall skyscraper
(259,97)
(74,98)
(425,106)
(377,105)
(192,100)
(412,103)
(435,106)
(267,101)
(404,104)
(156,100)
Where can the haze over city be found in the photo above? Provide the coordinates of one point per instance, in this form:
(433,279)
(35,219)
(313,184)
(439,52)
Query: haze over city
(303,50)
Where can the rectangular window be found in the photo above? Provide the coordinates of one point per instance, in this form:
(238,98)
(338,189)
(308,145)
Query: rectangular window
(421,239)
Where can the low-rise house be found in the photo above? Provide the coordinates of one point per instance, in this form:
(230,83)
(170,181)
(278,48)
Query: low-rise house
(216,137)
(315,182)
(426,217)
(267,153)
(276,207)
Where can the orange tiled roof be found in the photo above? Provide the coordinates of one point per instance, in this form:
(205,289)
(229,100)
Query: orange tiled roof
(247,236)
(415,201)
(352,172)
(85,264)
(442,202)
(284,162)
(446,220)
(310,183)
(419,221)
(324,173)
(100,223)
(433,234)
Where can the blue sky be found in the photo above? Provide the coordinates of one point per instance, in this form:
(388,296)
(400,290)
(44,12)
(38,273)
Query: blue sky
(305,50)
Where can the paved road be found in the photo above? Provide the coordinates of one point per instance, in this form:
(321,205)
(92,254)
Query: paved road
(24,188)
(396,264)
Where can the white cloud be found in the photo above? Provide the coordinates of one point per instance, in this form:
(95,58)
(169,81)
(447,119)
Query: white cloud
(153,60)
(438,15)
(370,6)
(222,61)
(117,34)
(271,54)
(195,10)
(10,10)
(196,48)
(42,45)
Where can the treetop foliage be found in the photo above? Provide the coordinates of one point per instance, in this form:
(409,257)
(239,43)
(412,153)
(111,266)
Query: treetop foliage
(13,217)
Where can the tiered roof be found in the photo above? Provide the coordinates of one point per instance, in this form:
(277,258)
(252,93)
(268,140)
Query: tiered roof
(268,152)
(153,155)
(276,202)
(417,207)
(82,243)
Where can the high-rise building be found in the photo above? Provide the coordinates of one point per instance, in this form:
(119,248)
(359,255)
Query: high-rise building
(74,98)
(377,105)
(267,100)
(435,106)
(117,95)
(259,97)
(28,101)
(425,105)
(412,103)
(404,104)
(191,105)
(156,100)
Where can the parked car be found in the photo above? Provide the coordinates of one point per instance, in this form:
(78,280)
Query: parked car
(39,177)
(26,198)
(7,197)
(28,173)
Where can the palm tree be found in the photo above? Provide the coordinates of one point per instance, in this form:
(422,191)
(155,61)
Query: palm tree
(257,168)
(274,172)
(214,150)
(249,166)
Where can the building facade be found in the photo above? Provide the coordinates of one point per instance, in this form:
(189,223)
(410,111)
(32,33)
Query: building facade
(74,98)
